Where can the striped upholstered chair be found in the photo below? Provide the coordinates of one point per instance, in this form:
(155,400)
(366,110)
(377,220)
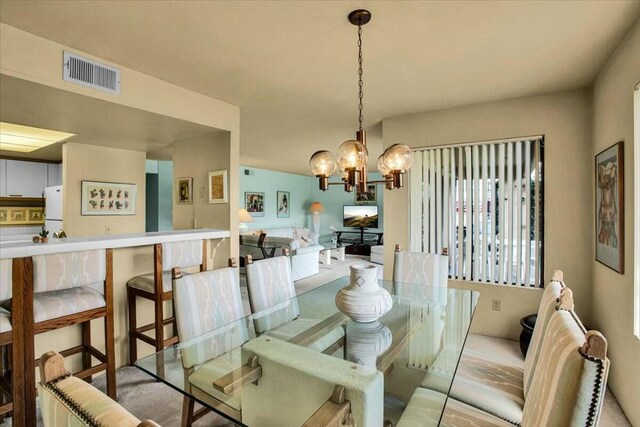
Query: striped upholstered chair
(211,328)
(487,380)
(272,297)
(157,287)
(68,401)
(74,288)
(11,357)
(418,267)
(567,388)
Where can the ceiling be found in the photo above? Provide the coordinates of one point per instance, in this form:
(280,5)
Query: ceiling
(291,65)
(91,120)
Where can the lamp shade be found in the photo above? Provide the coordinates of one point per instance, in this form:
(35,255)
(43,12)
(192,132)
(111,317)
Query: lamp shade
(316,207)
(243,216)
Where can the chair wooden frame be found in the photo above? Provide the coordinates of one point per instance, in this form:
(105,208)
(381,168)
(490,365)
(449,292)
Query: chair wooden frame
(159,342)
(31,329)
(12,379)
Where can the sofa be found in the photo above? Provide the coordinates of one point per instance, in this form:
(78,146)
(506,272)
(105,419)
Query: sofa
(303,246)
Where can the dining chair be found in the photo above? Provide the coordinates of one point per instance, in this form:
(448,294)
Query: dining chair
(567,388)
(157,287)
(420,268)
(12,353)
(208,302)
(66,400)
(272,298)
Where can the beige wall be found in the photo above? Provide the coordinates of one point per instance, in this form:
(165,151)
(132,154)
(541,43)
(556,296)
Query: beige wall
(89,162)
(195,158)
(565,120)
(612,303)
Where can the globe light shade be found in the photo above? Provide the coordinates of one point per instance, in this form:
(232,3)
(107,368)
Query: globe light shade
(398,157)
(382,168)
(323,163)
(352,154)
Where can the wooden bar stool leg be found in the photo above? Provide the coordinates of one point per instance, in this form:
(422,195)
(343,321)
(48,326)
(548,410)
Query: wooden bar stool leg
(109,332)
(86,352)
(23,353)
(159,329)
(133,341)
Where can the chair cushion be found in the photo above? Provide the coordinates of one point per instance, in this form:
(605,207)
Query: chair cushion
(54,304)
(181,254)
(202,379)
(82,396)
(498,350)
(489,386)
(457,414)
(379,249)
(300,325)
(145,282)
(5,320)
(423,268)
(54,272)
(6,279)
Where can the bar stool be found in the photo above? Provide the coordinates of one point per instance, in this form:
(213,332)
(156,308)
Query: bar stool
(157,287)
(68,289)
(11,341)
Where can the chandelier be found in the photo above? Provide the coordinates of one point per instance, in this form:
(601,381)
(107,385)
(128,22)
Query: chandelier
(352,155)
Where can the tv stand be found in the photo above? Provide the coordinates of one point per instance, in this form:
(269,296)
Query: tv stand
(359,239)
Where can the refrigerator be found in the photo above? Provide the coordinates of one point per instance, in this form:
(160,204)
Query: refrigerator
(53,208)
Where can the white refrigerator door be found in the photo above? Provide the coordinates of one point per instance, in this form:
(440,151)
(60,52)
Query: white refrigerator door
(52,225)
(53,195)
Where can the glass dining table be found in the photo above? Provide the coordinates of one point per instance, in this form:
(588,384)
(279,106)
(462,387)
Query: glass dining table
(415,348)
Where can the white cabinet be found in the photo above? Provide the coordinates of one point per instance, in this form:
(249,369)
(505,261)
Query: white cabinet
(26,179)
(3,177)
(55,174)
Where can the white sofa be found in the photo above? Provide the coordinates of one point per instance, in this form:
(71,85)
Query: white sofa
(301,242)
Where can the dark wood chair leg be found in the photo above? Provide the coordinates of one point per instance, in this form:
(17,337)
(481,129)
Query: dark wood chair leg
(109,333)
(133,341)
(187,412)
(23,352)
(86,353)
(159,330)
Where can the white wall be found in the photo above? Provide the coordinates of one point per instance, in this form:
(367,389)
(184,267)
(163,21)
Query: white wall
(612,302)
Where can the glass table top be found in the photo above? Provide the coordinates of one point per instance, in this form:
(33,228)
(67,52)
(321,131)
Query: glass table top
(416,345)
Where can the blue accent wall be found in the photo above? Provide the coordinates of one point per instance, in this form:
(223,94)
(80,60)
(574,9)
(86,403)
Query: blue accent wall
(303,190)
(159,197)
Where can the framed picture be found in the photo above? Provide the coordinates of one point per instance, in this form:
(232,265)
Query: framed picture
(368,197)
(184,191)
(284,199)
(254,203)
(108,198)
(610,207)
(218,187)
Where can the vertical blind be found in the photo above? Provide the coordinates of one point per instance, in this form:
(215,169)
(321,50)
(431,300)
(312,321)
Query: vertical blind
(483,203)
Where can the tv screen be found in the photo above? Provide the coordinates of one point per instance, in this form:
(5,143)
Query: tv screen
(360,216)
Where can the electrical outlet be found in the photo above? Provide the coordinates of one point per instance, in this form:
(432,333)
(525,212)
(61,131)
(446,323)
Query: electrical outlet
(107,229)
(496,305)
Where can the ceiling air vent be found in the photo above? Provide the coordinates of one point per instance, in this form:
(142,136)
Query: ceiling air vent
(90,73)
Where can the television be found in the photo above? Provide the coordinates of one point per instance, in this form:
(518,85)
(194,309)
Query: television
(360,216)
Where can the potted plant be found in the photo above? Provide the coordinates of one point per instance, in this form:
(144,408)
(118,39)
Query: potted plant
(44,235)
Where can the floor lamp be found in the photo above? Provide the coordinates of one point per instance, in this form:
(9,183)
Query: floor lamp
(316,209)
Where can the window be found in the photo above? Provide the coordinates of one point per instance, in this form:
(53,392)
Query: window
(483,202)
(636,210)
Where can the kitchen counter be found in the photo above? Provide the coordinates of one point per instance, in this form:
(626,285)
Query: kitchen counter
(25,249)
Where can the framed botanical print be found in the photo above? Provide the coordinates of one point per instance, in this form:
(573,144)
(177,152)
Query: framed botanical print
(108,198)
(368,197)
(184,191)
(284,200)
(254,203)
(218,187)
(610,207)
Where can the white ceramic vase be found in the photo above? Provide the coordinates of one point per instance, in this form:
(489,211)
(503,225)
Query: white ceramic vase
(364,300)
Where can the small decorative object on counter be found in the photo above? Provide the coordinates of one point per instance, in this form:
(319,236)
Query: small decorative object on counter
(36,239)
(44,235)
(59,234)
(364,300)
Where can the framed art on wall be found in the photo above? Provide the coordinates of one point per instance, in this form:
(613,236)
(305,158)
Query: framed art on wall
(284,200)
(610,207)
(184,191)
(108,198)
(218,187)
(254,203)
(368,197)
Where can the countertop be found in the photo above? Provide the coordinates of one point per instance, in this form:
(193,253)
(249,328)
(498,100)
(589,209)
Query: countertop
(25,249)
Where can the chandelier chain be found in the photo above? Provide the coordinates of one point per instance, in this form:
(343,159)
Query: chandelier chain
(360,83)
